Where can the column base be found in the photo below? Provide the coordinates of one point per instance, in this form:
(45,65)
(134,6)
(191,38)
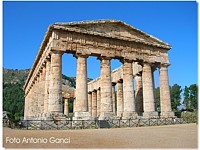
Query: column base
(150,114)
(129,115)
(82,116)
(53,116)
(119,114)
(106,115)
(167,114)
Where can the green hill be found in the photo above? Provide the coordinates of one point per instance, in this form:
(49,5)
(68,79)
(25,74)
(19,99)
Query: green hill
(13,94)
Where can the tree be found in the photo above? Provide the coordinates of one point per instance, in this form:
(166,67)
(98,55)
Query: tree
(175,93)
(191,97)
(13,99)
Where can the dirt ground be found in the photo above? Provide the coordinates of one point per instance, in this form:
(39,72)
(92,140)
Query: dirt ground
(171,136)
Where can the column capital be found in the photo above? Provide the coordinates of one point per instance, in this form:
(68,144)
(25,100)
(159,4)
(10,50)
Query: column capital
(48,59)
(113,83)
(41,68)
(56,52)
(126,60)
(43,64)
(147,64)
(164,65)
(104,58)
(94,90)
(77,55)
(120,81)
(38,74)
(139,74)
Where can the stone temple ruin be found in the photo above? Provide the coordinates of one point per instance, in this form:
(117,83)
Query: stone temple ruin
(141,54)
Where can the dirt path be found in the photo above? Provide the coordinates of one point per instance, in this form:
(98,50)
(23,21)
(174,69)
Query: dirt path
(174,136)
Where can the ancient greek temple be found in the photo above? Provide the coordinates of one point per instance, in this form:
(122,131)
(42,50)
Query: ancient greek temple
(113,94)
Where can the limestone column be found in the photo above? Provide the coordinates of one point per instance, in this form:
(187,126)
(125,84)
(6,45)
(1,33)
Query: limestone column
(55,85)
(81,105)
(120,104)
(39,94)
(36,97)
(94,104)
(39,91)
(128,90)
(81,84)
(90,102)
(46,89)
(148,93)
(42,83)
(113,97)
(106,88)
(138,94)
(165,100)
(66,107)
(31,104)
(98,102)
(26,101)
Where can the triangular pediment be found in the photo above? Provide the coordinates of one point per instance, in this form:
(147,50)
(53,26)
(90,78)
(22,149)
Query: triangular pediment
(114,29)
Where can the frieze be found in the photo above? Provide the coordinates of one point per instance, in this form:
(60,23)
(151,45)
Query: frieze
(140,51)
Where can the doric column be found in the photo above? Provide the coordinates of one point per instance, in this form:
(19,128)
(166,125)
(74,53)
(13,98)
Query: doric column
(90,102)
(106,88)
(81,84)
(36,97)
(98,102)
(46,89)
(94,104)
(31,104)
(148,93)
(39,94)
(113,97)
(120,104)
(42,92)
(81,104)
(55,85)
(66,107)
(26,107)
(165,100)
(128,90)
(138,94)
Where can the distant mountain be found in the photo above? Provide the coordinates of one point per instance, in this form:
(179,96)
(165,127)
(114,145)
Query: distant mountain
(11,76)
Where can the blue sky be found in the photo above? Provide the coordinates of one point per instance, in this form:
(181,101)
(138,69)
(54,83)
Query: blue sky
(25,24)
